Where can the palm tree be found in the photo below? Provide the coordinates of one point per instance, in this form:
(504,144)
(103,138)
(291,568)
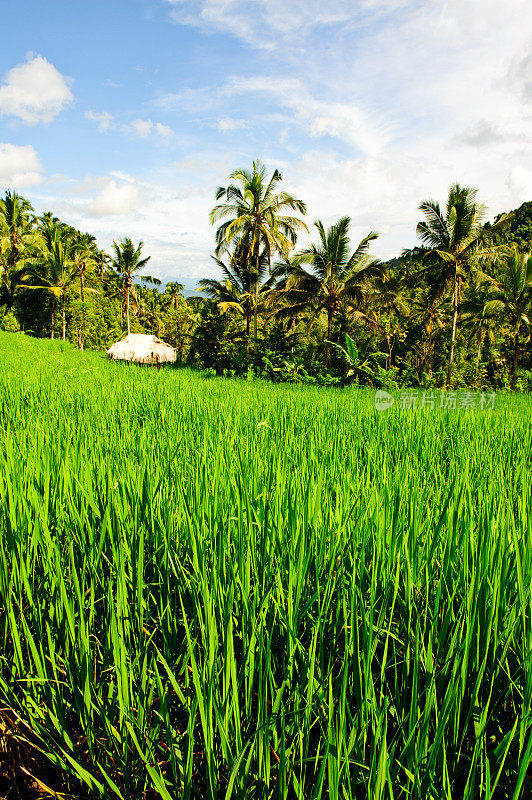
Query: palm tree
(481,324)
(150,309)
(52,268)
(16,239)
(426,323)
(173,292)
(102,260)
(243,287)
(85,255)
(510,298)
(181,313)
(256,211)
(128,263)
(454,238)
(338,277)
(16,231)
(386,309)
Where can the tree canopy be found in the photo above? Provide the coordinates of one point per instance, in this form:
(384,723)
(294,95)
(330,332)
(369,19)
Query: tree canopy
(453,311)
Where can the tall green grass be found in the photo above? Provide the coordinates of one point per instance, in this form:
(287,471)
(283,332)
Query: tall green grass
(222,589)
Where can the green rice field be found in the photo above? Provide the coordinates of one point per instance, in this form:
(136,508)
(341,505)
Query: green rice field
(213,588)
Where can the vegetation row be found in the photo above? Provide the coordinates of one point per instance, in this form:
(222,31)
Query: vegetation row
(454,311)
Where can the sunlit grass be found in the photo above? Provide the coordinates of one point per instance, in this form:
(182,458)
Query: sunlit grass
(214,588)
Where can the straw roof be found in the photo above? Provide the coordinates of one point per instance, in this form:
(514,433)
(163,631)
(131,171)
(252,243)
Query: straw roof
(142,349)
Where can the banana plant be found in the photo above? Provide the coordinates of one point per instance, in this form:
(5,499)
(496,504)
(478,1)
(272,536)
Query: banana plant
(357,367)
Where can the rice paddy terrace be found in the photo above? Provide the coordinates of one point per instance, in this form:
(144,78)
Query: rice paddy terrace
(214,588)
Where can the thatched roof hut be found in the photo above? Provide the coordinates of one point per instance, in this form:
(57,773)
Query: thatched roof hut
(142,349)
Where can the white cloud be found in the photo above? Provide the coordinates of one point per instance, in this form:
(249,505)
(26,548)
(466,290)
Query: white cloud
(389,69)
(264,23)
(192,101)
(169,213)
(403,98)
(519,183)
(103,118)
(143,128)
(162,130)
(19,166)
(343,120)
(34,92)
(227,124)
(114,200)
(122,176)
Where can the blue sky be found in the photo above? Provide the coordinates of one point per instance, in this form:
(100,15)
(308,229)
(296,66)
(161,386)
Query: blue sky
(124,117)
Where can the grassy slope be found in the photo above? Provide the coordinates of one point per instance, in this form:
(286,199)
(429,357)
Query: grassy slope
(211,588)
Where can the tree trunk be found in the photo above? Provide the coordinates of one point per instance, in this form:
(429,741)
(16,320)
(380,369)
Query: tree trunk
(82,295)
(53,318)
(292,332)
(329,333)
(179,342)
(390,348)
(64,317)
(127,305)
(479,352)
(456,302)
(516,357)
(248,325)
(255,312)
(14,252)
(255,321)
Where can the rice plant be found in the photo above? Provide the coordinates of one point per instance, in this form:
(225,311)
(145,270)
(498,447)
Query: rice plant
(215,588)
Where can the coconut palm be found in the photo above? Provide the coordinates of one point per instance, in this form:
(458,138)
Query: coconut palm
(181,314)
(16,238)
(386,309)
(244,288)
(173,293)
(456,240)
(255,210)
(52,267)
(102,260)
(16,231)
(479,323)
(128,263)
(509,300)
(337,279)
(85,254)
(151,309)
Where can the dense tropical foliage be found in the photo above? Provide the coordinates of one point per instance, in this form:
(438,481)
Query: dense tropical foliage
(454,311)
